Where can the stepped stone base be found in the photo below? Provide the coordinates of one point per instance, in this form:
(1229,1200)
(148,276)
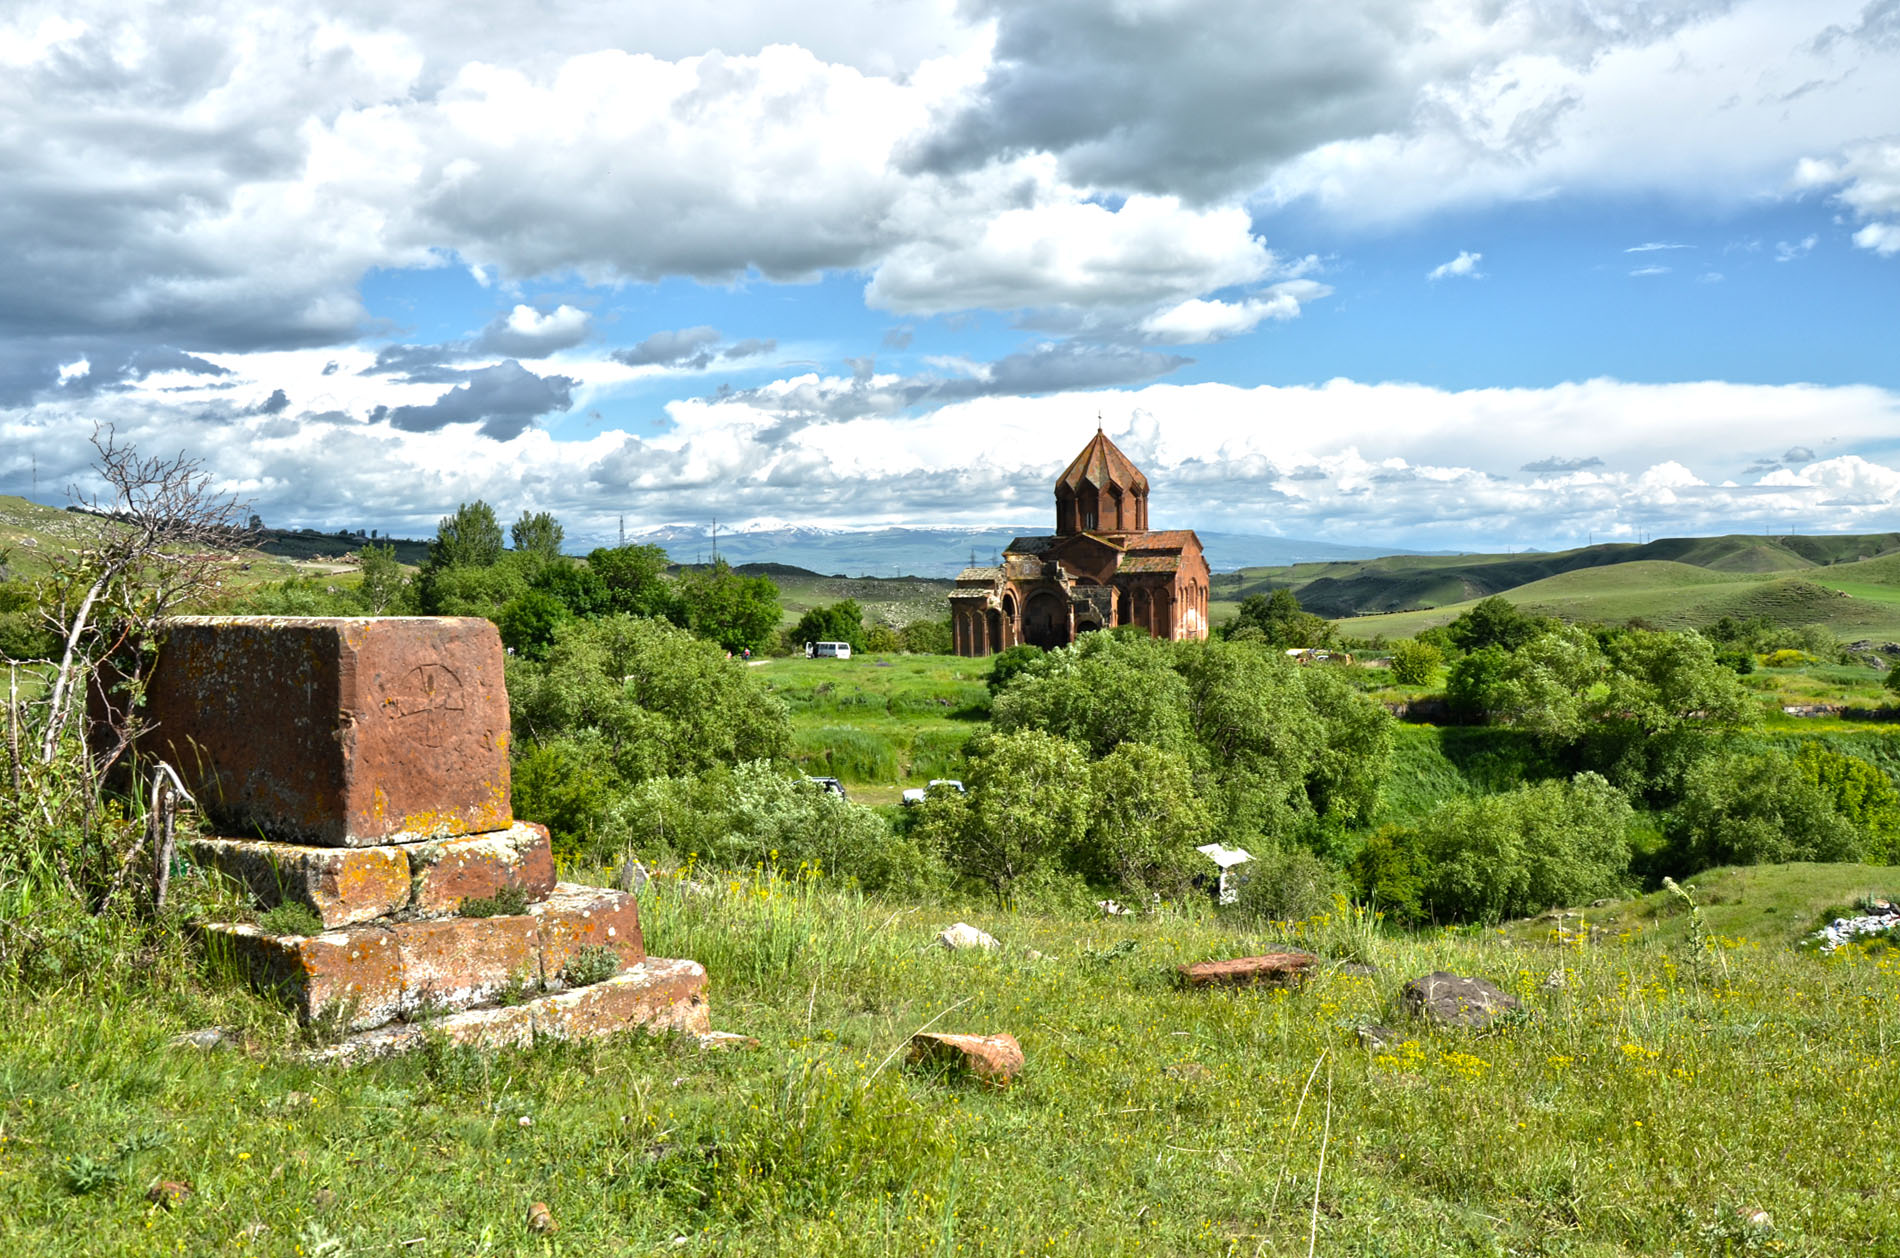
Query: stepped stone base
(371,974)
(344,886)
(656,995)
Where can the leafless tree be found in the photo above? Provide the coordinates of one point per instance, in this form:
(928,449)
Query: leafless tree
(159,548)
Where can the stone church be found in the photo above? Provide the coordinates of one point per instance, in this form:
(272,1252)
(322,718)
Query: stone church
(1103,567)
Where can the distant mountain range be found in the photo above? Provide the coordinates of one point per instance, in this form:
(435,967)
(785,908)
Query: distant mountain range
(894,552)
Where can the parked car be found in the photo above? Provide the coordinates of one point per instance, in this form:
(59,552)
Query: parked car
(917,794)
(828,650)
(832,785)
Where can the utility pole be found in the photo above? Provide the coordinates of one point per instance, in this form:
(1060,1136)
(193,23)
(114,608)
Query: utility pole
(715,540)
(623,530)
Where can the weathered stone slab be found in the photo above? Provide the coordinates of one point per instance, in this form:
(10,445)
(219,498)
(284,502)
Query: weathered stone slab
(657,995)
(990,1059)
(339,732)
(444,872)
(577,917)
(355,975)
(456,962)
(342,885)
(1277,969)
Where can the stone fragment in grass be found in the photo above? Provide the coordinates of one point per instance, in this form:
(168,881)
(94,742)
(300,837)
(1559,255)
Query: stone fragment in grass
(204,1039)
(632,877)
(1452,1000)
(577,916)
(1374,1037)
(1275,969)
(342,886)
(963,935)
(444,872)
(714,1040)
(167,1192)
(991,1059)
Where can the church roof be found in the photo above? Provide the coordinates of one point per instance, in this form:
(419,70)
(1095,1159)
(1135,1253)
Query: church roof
(1102,465)
(1161,539)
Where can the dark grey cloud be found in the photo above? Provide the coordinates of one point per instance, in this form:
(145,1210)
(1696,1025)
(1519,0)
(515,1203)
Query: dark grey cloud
(751,347)
(504,399)
(1878,26)
(898,337)
(275,404)
(1798,454)
(420,364)
(1556,464)
(687,347)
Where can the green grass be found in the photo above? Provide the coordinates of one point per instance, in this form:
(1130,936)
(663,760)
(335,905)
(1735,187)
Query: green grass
(881,720)
(1644,1102)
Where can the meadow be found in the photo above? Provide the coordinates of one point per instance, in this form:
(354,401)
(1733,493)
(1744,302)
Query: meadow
(1663,1093)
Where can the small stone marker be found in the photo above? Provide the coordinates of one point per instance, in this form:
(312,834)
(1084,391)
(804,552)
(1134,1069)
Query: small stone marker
(1452,1000)
(963,935)
(1275,969)
(335,731)
(991,1059)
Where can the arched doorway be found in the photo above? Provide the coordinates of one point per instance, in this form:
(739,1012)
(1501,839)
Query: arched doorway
(1046,620)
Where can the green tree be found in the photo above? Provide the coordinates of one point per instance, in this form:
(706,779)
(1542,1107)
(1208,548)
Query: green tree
(469,589)
(1353,755)
(1280,619)
(1496,621)
(528,622)
(636,581)
(928,637)
(842,621)
(1029,804)
(1861,793)
(1100,693)
(384,589)
(469,538)
(1006,666)
(881,639)
(1146,822)
(538,533)
(738,612)
(1523,851)
(1666,701)
(1414,662)
(1740,809)
(1250,713)
(649,699)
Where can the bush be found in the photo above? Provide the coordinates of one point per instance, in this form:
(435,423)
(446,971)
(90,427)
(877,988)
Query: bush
(928,637)
(1290,885)
(1511,854)
(1861,793)
(1756,810)
(595,964)
(1414,662)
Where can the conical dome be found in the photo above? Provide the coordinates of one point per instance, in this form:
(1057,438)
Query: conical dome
(1101,491)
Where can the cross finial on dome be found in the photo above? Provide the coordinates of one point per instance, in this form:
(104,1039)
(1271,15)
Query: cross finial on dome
(1098,420)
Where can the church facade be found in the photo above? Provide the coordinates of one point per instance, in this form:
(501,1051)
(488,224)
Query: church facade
(1102,568)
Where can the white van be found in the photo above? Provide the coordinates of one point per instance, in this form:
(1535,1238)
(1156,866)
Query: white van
(828,650)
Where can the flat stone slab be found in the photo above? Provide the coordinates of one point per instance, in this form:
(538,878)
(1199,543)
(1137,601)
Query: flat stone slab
(354,975)
(335,731)
(1277,969)
(576,917)
(456,962)
(342,886)
(991,1059)
(444,872)
(657,995)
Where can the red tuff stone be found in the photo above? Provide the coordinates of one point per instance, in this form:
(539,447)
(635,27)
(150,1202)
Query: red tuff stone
(355,975)
(993,1059)
(1279,969)
(340,732)
(461,961)
(577,917)
(658,994)
(342,885)
(476,866)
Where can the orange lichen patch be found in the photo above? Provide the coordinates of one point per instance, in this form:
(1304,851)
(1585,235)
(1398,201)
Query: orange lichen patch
(444,872)
(577,917)
(354,976)
(457,961)
(342,886)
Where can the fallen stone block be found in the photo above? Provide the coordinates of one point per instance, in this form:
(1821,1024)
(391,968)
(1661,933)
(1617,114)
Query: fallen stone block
(342,886)
(991,1059)
(456,962)
(576,917)
(340,732)
(714,1041)
(444,872)
(354,976)
(1274,969)
(1452,1000)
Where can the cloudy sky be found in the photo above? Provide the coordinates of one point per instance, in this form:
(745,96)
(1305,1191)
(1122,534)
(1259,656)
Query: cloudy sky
(1423,273)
